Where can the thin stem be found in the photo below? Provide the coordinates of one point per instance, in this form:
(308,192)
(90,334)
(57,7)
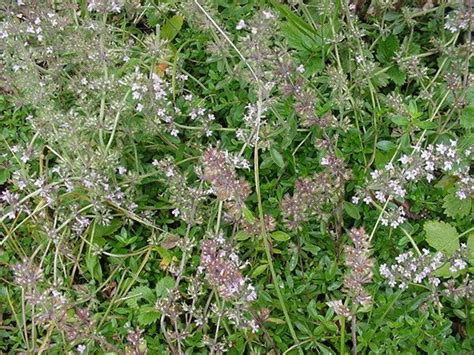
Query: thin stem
(264,232)
(354,334)
(228,40)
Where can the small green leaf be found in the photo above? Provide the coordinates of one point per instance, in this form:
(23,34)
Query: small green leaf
(277,157)
(172,27)
(459,313)
(248,214)
(241,235)
(470,246)
(4,175)
(426,124)
(442,236)
(259,269)
(93,266)
(385,145)
(400,121)
(276,320)
(102,231)
(313,249)
(352,210)
(280,236)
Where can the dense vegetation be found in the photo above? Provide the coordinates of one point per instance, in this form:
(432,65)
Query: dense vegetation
(236,176)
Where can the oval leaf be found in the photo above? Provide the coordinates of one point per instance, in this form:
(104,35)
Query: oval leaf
(280,236)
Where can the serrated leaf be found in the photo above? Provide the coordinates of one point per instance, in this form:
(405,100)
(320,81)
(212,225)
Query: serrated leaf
(148,315)
(352,210)
(280,236)
(442,236)
(165,284)
(455,207)
(387,48)
(467,118)
(138,293)
(172,27)
(259,270)
(397,76)
(277,157)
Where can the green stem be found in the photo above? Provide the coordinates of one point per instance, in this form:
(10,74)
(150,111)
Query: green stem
(264,233)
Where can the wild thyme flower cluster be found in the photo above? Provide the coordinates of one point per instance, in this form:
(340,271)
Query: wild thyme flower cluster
(183,197)
(219,170)
(419,269)
(137,342)
(358,260)
(250,134)
(296,86)
(311,194)
(256,42)
(51,305)
(412,65)
(221,266)
(459,20)
(253,228)
(153,98)
(105,6)
(390,184)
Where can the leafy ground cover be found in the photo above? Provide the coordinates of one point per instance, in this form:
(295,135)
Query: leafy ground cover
(249,177)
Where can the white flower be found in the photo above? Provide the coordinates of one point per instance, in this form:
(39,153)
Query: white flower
(380,196)
(81,348)
(300,69)
(375,174)
(175,212)
(367,200)
(241,25)
(268,14)
(405,159)
(121,170)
